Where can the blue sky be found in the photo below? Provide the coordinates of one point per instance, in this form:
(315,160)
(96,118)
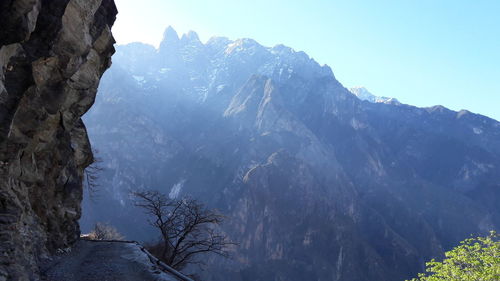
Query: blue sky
(422,52)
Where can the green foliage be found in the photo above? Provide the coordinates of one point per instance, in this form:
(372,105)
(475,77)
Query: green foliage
(475,259)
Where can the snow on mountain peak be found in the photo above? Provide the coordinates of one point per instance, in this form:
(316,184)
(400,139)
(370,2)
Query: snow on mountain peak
(242,44)
(363,94)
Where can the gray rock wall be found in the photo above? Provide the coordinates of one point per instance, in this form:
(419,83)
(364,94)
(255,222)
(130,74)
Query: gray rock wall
(52,55)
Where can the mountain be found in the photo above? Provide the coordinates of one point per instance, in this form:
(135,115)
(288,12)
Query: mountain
(363,94)
(316,184)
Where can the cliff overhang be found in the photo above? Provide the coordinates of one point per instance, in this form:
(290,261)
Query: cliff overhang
(52,56)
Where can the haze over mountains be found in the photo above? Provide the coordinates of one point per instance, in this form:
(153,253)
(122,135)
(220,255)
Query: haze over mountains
(316,182)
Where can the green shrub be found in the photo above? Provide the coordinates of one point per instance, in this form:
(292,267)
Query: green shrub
(475,259)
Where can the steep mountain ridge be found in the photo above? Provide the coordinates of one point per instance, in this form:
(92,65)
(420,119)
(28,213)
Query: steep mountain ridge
(315,182)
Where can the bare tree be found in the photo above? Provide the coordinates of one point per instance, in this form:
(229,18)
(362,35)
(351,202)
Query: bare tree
(104,231)
(188,229)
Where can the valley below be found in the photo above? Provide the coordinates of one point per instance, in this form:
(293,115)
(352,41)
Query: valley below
(316,183)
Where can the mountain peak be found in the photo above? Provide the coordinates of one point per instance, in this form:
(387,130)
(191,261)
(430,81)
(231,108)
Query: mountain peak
(190,36)
(243,44)
(283,49)
(363,94)
(170,35)
(218,42)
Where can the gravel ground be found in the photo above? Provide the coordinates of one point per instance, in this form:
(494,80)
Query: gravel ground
(103,261)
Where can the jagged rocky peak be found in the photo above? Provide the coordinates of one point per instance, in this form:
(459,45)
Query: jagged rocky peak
(439,109)
(463,113)
(242,44)
(363,94)
(173,48)
(245,48)
(191,36)
(286,51)
(280,48)
(170,41)
(170,35)
(52,56)
(218,55)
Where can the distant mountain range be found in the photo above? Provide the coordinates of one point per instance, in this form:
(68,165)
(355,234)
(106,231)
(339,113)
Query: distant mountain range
(363,94)
(317,184)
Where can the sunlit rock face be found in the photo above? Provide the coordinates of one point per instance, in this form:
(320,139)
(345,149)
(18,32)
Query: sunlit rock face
(52,55)
(316,184)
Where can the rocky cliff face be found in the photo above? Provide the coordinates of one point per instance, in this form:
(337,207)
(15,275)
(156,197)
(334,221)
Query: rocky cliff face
(52,55)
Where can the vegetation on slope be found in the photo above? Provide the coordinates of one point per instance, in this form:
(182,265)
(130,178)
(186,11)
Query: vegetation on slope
(475,259)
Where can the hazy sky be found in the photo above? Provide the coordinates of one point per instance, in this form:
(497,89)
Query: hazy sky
(423,52)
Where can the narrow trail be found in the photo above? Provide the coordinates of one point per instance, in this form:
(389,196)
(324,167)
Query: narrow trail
(104,261)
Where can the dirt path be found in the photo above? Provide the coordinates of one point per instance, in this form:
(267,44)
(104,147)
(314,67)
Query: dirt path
(104,261)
